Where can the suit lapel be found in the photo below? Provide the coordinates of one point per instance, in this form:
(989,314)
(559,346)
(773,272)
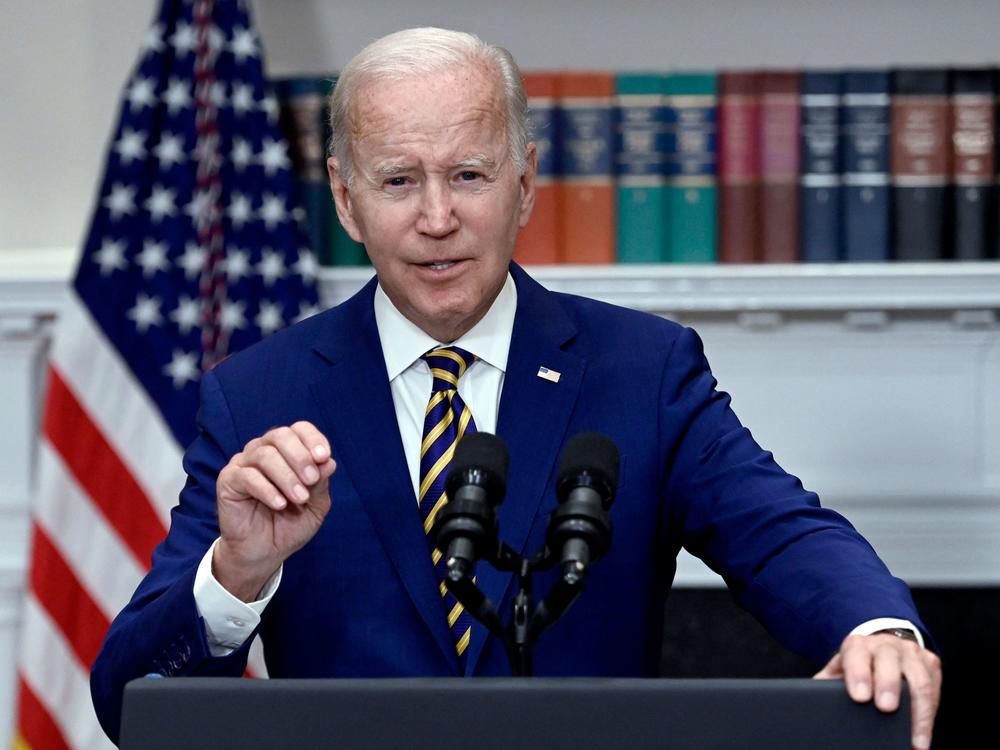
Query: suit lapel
(534,414)
(351,391)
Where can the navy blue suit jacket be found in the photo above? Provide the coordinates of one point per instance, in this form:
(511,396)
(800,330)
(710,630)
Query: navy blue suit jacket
(361,598)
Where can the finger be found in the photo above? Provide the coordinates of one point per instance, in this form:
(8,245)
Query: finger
(295,453)
(888,673)
(274,466)
(249,482)
(857,666)
(833,670)
(923,678)
(314,440)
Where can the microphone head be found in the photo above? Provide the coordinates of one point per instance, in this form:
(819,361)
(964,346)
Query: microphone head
(589,458)
(481,459)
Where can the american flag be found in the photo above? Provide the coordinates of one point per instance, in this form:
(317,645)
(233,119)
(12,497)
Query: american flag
(195,250)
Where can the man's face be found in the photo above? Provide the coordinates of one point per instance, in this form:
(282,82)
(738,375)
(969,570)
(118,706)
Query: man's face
(436,198)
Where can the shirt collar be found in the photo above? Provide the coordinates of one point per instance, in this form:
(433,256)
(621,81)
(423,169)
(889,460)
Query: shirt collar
(403,342)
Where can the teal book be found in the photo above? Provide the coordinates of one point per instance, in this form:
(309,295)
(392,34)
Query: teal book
(640,167)
(691,157)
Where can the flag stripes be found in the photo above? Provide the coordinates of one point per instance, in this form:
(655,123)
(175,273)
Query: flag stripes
(37,730)
(62,595)
(123,412)
(100,471)
(106,567)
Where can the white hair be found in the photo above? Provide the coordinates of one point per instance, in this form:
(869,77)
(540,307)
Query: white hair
(419,52)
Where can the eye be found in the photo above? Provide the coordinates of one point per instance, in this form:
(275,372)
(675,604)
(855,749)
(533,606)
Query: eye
(395,182)
(468,176)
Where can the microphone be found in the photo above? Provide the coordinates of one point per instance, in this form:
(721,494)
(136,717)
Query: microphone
(580,528)
(476,483)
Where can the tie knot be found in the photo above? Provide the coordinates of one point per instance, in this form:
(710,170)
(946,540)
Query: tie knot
(448,364)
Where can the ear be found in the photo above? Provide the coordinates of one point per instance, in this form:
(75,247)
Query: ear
(342,199)
(528,185)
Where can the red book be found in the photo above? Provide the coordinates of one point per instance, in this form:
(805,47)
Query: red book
(586,192)
(739,167)
(779,167)
(538,242)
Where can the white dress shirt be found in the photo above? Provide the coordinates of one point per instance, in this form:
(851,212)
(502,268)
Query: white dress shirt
(230,621)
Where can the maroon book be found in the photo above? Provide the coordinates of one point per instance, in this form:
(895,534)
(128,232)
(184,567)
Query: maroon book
(739,167)
(779,166)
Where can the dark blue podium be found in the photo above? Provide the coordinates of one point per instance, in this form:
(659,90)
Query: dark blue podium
(521,713)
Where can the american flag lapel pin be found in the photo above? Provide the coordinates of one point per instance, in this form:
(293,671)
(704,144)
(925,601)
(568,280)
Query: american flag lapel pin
(546,374)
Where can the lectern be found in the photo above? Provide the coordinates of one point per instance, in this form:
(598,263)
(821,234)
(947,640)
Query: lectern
(521,713)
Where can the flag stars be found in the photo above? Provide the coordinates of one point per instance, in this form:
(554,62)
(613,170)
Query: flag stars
(236,264)
(141,93)
(177,96)
(153,41)
(192,260)
(273,211)
(306,266)
(270,318)
(170,150)
(243,44)
(160,203)
(232,315)
(146,312)
(111,256)
(239,210)
(131,145)
(183,368)
(187,314)
(120,201)
(153,258)
(271,267)
(185,39)
(201,206)
(273,156)
(242,99)
(242,154)
(217,94)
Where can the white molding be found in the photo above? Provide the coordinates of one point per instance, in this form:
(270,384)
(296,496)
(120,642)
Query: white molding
(35,281)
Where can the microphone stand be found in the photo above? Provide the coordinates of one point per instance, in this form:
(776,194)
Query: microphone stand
(526,625)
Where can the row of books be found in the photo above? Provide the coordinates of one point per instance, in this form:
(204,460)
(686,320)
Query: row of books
(733,166)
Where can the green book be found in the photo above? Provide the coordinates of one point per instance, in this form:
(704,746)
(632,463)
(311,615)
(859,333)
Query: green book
(692,185)
(342,250)
(640,167)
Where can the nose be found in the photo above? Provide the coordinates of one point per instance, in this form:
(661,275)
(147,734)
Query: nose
(437,212)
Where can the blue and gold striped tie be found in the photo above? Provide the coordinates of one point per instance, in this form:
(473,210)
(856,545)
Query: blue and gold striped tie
(446,420)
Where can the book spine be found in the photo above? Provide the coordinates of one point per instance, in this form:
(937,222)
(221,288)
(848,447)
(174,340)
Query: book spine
(973,158)
(779,160)
(692,185)
(639,167)
(866,179)
(342,250)
(820,190)
(538,242)
(586,186)
(739,167)
(300,115)
(920,168)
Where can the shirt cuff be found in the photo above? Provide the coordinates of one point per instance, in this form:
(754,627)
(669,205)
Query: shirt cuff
(884,623)
(228,620)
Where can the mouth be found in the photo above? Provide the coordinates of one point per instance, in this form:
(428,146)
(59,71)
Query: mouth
(441,266)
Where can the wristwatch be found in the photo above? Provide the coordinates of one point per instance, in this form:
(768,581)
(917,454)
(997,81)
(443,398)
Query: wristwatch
(903,633)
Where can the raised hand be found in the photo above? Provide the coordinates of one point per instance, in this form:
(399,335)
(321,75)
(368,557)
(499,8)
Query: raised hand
(271,498)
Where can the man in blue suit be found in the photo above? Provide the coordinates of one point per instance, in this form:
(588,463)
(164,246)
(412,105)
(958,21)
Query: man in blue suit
(310,532)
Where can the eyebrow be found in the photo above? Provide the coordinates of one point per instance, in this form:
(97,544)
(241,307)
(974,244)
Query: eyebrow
(479,161)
